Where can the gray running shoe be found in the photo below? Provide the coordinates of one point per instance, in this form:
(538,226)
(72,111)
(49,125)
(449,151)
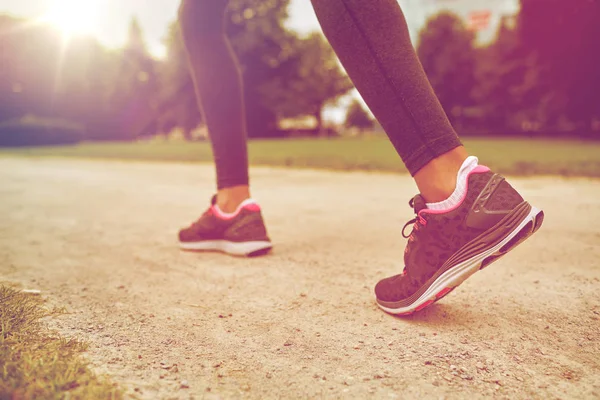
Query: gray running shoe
(241,235)
(446,247)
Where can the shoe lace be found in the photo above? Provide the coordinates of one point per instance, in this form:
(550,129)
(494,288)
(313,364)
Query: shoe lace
(198,223)
(417,204)
(413,222)
(206,213)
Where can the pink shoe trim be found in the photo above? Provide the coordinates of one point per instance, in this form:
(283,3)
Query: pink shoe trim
(480,169)
(248,204)
(254,207)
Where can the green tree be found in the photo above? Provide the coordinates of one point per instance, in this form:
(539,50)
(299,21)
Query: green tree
(46,76)
(84,85)
(29,55)
(446,50)
(310,80)
(176,105)
(358,117)
(284,76)
(261,44)
(264,48)
(563,36)
(135,88)
(509,94)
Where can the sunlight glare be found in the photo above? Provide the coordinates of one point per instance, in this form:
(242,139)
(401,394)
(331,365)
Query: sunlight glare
(73,16)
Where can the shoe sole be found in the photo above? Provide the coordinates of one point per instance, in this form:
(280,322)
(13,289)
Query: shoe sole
(457,274)
(247,249)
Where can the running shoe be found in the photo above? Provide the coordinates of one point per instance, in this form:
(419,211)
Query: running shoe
(446,247)
(241,233)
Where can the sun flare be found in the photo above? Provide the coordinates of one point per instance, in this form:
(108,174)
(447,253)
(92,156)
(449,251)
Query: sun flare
(73,16)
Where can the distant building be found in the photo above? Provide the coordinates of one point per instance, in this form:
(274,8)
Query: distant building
(482,16)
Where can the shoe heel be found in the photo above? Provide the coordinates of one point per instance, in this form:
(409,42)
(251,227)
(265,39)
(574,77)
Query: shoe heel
(528,230)
(260,252)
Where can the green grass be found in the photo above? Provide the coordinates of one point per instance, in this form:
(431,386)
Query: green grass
(508,156)
(35,363)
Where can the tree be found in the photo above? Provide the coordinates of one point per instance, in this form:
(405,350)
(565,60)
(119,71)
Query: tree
(29,67)
(284,76)
(563,37)
(177,105)
(358,117)
(84,85)
(312,78)
(509,94)
(46,76)
(446,50)
(260,42)
(134,90)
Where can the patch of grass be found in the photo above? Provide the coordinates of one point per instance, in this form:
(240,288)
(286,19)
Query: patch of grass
(35,363)
(507,156)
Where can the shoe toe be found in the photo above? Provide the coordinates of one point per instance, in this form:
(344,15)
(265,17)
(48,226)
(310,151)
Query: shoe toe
(186,235)
(391,289)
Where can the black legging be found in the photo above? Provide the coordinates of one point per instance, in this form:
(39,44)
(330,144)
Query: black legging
(371,39)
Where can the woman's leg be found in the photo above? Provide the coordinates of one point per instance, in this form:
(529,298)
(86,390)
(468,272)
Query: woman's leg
(233,224)
(467,216)
(372,41)
(218,85)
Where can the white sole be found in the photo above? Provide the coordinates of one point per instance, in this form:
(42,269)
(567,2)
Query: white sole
(459,273)
(225,246)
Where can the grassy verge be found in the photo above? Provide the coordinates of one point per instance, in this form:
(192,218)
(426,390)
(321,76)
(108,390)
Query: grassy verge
(35,363)
(508,156)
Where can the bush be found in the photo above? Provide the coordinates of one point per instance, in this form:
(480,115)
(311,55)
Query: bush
(358,117)
(34,131)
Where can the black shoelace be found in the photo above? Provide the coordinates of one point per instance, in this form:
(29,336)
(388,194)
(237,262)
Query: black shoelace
(417,220)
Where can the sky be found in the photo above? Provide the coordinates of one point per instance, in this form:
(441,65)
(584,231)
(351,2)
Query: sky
(109,19)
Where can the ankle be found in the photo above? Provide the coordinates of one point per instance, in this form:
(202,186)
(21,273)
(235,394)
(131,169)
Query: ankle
(229,199)
(437,179)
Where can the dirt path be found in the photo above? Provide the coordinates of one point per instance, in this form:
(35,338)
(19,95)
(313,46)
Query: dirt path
(98,237)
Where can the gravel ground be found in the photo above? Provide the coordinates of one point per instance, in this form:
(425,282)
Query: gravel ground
(99,238)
